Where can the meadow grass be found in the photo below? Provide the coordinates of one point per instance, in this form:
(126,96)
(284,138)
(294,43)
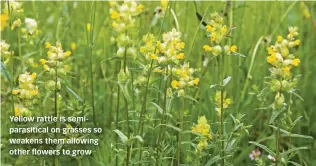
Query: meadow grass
(145,120)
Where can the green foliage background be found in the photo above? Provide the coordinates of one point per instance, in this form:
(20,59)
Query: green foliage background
(66,22)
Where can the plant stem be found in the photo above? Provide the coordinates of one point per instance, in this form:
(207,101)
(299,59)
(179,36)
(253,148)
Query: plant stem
(221,131)
(91,44)
(277,144)
(117,116)
(180,133)
(56,162)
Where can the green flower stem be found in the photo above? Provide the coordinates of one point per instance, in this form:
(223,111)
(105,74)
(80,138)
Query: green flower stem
(277,144)
(117,118)
(221,128)
(180,133)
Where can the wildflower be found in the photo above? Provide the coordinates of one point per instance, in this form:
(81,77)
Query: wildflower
(297,42)
(286,70)
(180,56)
(279,38)
(114,14)
(67,53)
(196,81)
(203,129)
(4,50)
(218,100)
(4,20)
(89,27)
(207,48)
(233,48)
(31,25)
(16,24)
(175,84)
(47,45)
(296,62)
(255,154)
(73,46)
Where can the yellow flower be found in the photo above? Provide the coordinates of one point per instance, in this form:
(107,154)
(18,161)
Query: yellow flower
(154,56)
(296,62)
(196,81)
(279,38)
(89,27)
(114,14)
(33,75)
(140,8)
(175,84)
(306,14)
(207,48)
(15,91)
(180,56)
(43,61)
(209,28)
(67,53)
(228,101)
(297,42)
(233,48)
(142,49)
(73,46)
(114,24)
(271,59)
(224,30)
(48,45)
(157,70)
(213,37)
(34,92)
(164,4)
(4,20)
(17,111)
(181,45)
(286,69)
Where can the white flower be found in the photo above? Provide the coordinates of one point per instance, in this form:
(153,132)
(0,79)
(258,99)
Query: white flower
(31,24)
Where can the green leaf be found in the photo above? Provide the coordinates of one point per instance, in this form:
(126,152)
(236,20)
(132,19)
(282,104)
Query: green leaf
(190,98)
(46,97)
(158,107)
(238,54)
(170,126)
(274,115)
(293,150)
(74,94)
(123,138)
(263,147)
(226,81)
(287,133)
(5,71)
(213,160)
(294,163)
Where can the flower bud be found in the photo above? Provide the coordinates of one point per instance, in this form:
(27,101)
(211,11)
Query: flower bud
(181,93)
(279,100)
(275,85)
(131,51)
(121,52)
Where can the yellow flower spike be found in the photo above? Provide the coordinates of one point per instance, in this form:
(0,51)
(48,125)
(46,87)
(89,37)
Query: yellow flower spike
(48,45)
(207,48)
(180,56)
(140,8)
(286,70)
(196,81)
(209,28)
(296,62)
(43,61)
(115,14)
(73,46)
(154,56)
(89,27)
(16,91)
(233,48)
(33,75)
(175,84)
(67,53)
(279,38)
(17,111)
(297,42)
